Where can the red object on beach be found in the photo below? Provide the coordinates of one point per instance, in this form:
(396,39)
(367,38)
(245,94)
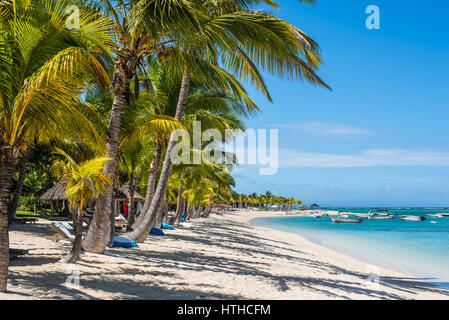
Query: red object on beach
(125,209)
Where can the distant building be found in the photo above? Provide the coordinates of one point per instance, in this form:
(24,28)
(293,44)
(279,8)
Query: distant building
(314,206)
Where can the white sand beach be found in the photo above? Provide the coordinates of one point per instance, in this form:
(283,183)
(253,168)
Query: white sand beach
(224,258)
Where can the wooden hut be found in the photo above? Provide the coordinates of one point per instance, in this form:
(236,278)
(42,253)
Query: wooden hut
(314,206)
(57,195)
(137,196)
(138,199)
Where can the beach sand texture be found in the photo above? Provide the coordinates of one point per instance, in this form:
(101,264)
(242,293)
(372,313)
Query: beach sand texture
(224,258)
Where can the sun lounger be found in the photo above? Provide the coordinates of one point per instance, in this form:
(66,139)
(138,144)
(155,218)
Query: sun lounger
(120,220)
(123,242)
(157,231)
(166,226)
(64,231)
(188,225)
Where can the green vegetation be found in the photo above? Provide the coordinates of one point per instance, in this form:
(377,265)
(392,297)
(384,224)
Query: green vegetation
(116,87)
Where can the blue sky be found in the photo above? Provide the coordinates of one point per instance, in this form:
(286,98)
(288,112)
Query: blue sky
(381,137)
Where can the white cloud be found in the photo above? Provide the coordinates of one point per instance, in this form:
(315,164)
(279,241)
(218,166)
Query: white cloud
(322,128)
(366,158)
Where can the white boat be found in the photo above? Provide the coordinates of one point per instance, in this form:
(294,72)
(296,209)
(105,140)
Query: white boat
(361,215)
(380,213)
(436,215)
(346,219)
(444,214)
(380,217)
(320,215)
(411,218)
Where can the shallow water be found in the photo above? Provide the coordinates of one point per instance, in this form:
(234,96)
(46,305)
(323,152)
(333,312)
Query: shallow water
(417,247)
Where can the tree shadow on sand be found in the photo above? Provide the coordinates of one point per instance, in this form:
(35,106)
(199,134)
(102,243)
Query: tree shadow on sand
(243,253)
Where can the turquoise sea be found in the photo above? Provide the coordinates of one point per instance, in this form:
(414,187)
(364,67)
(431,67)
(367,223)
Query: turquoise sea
(417,247)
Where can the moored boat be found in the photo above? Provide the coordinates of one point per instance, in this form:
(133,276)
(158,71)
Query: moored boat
(436,215)
(361,215)
(346,219)
(444,214)
(411,218)
(380,217)
(322,215)
(380,212)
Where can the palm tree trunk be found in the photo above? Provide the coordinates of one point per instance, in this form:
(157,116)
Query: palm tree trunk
(165,210)
(131,209)
(74,254)
(179,204)
(154,167)
(15,199)
(178,216)
(6,174)
(97,235)
(141,232)
(207,211)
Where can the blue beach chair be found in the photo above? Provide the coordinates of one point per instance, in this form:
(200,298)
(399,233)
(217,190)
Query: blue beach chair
(157,231)
(166,226)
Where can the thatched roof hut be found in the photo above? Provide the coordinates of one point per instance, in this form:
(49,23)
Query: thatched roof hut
(40,192)
(57,192)
(137,196)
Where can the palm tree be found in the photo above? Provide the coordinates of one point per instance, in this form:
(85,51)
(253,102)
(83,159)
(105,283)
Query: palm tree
(242,39)
(84,183)
(141,28)
(43,69)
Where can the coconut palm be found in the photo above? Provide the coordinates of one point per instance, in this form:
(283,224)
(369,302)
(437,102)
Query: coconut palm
(43,69)
(242,39)
(142,28)
(84,183)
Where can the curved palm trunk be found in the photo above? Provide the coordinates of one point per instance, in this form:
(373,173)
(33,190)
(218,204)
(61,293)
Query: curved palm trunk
(131,209)
(6,174)
(161,214)
(74,254)
(18,192)
(179,204)
(100,227)
(207,212)
(141,232)
(165,210)
(154,167)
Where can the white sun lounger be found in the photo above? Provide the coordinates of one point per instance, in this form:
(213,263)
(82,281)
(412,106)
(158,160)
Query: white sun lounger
(189,225)
(64,231)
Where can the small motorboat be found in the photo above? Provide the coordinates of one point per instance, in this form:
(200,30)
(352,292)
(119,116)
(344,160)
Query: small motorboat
(320,215)
(436,215)
(444,214)
(380,217)
(346,219)
(361,215)
(412,218)
(380,213)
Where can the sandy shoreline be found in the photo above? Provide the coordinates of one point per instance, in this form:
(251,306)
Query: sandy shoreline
(224,258)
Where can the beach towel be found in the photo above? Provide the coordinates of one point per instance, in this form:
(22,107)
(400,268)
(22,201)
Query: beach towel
(157,231)
(166,226)
(123,242)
